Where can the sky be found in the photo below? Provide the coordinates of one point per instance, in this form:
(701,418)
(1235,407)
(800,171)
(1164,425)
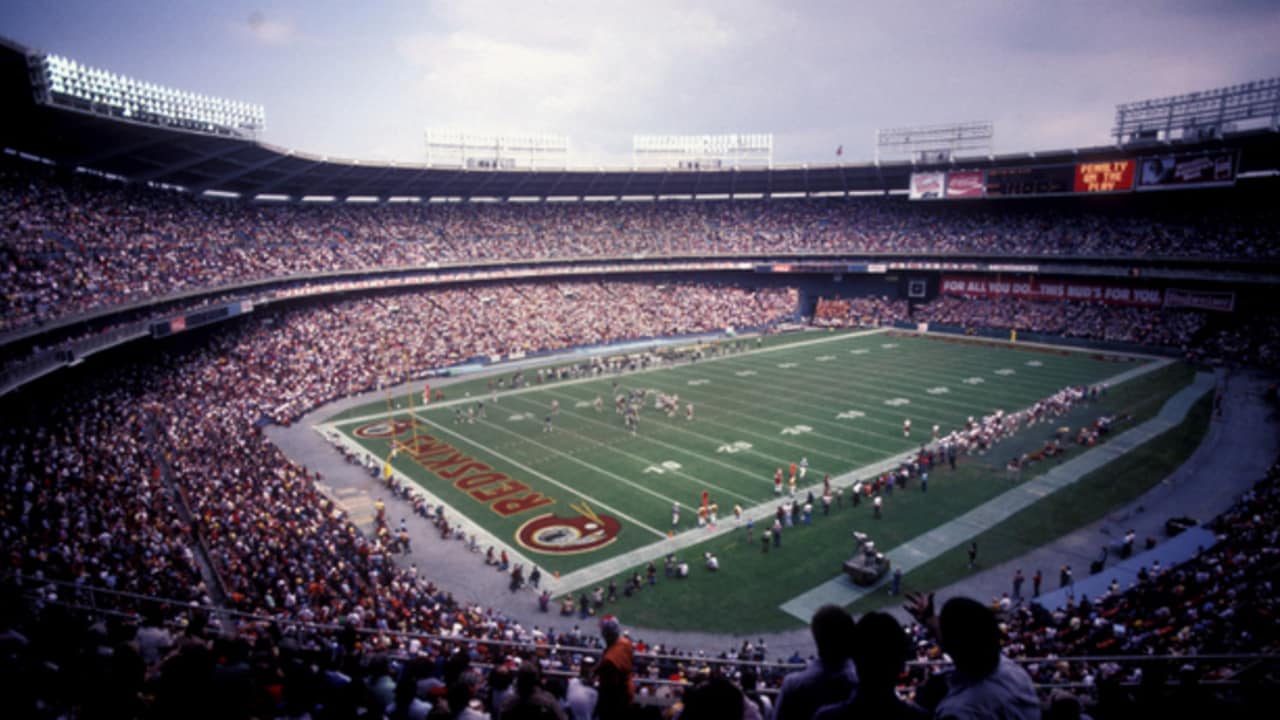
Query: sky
(365,80)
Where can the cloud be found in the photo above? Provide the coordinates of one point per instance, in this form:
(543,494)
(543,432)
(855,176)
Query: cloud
(597,72)
(269,31)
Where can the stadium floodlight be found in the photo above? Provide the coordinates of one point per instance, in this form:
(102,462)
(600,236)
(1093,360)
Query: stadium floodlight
(66,83)
(1200,115)
(702,152)
(479,151)
(932,144)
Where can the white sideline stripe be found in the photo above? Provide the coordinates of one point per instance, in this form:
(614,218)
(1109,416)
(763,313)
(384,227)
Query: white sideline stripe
(606,567)
(578,381)
(483,536)
(593,574)
(539,475)
(930,544)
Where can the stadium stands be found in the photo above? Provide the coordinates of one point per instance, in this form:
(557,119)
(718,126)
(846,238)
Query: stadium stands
(86,242)
(151,482)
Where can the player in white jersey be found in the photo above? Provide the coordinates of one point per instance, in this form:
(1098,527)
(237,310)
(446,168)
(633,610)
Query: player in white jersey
(906,428)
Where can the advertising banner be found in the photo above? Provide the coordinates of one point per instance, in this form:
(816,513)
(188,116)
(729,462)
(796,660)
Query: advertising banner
(1170,172)
(1038,289)
(965,184)
(926,185)
(1200,300)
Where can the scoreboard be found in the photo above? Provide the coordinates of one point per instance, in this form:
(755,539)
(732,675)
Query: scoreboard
(1104,177)
(1043,180)
(1081,178)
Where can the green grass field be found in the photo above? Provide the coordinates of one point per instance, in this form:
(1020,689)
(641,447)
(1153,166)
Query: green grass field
(811,555)
(589,491)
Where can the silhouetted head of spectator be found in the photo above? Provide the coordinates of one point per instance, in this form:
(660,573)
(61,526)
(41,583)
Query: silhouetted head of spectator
(714,697)
(880,650)
(528,678)
(971,636)
(1063,706)
(833,634)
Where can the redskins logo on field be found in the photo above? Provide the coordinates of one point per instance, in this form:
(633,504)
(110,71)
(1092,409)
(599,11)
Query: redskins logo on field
(557,535)
(382,429)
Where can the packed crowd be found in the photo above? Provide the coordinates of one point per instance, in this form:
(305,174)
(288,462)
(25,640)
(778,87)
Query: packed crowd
(859,312)
(1092,321)
(93,489)
(74,244)
(310,357)
(96,483)
(1234,340)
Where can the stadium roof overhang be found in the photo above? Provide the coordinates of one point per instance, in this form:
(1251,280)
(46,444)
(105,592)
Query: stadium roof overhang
(198,162)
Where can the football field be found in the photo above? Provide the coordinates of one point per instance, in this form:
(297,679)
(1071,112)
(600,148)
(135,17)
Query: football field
(572,494)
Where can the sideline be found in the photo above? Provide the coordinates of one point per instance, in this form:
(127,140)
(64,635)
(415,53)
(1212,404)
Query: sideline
(593,574)
(923,548)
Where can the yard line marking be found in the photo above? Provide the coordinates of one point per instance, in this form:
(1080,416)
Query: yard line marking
(578,381)
(877,382)
(706,421)
(535,473)
(724,404)
(567,456)
(649,438)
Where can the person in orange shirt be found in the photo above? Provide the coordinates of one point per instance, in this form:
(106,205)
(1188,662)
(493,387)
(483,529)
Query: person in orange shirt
(614,673)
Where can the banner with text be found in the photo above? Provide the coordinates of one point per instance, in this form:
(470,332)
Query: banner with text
(1104,177)
(1200,300)
(927,185)
(965,184)
(1171,172)
(1037,289)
